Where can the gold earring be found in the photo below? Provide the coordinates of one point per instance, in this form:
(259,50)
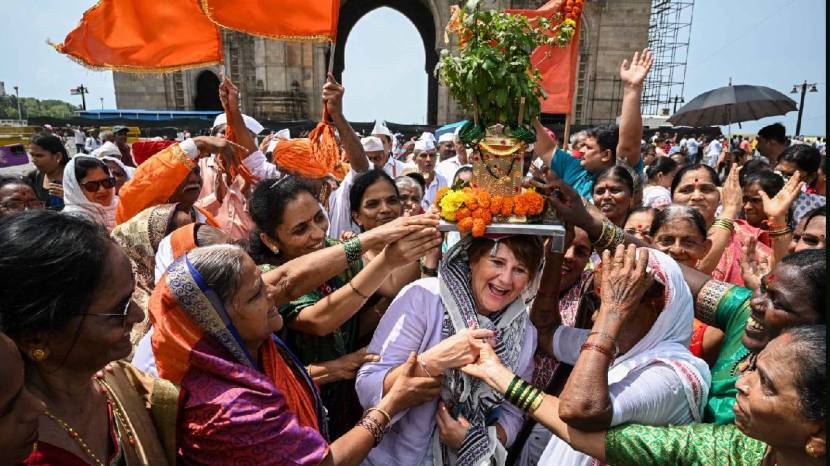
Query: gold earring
(38,354)
(811,450)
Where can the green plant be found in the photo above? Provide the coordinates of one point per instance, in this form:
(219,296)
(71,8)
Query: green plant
(492,73)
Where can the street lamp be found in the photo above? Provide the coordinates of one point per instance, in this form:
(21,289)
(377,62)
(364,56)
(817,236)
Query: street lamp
(17,98)
(102,102)
(803,91)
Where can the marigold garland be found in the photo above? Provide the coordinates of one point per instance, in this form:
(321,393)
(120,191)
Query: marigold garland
(474,209)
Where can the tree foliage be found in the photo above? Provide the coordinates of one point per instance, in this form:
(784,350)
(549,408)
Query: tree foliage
(31,107)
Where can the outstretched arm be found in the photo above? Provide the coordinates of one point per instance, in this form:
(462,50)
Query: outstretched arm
(229,96)
(633,76)
(333,100)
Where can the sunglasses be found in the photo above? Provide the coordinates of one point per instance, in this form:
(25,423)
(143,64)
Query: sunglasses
(124,308)
(94,186)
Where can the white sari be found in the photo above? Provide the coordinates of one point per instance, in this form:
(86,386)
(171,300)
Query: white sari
(664,351)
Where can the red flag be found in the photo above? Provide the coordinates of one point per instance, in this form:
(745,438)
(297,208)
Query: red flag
(144,35)
(293,20)
(557,65)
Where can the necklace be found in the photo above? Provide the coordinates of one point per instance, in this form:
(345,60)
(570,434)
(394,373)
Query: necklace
(75,436)
(117,411)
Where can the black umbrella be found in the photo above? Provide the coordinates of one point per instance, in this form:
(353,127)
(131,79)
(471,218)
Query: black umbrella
(732,104)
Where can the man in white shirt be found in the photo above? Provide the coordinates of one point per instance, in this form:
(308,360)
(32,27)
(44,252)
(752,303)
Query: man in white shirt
(91,143)
(425,158)
(392,167)
(448,167)
(715,149)
(80,139)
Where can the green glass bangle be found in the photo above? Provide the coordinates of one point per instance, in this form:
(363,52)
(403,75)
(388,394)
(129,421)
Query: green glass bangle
(352,249)
(525,397)
(522,390)
(512,385)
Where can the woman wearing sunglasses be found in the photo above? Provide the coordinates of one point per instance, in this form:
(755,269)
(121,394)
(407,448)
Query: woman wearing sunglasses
(70,318)
(89,189)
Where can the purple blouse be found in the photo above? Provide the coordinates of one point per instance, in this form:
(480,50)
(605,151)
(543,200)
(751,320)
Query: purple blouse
(413,323)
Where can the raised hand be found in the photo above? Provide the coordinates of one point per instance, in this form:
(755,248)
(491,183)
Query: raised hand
(562,197)
(732,194)
(633,74)
(228,94)
(412,246)
(777,207)
(752,268)
(333,96)
(396,229)
(624,281)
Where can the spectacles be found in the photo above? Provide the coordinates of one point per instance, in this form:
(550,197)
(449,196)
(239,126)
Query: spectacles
(94,186)
(123,314)
(21,205)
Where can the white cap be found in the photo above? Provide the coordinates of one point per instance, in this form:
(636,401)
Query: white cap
(428,136)
(446,137)
(107,149)
(424,145)
(250,123)
(371,144)
(381,129)
(284,133)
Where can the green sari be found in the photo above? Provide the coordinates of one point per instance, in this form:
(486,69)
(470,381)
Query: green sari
(337,396)
(726,307)
(692,444)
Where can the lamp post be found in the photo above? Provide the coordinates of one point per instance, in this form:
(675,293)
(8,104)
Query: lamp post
(803,87)
(17,98)
(676,100)
(102,102)
(80,90)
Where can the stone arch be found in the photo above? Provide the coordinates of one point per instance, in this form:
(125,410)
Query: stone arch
(207,92)
(419,13)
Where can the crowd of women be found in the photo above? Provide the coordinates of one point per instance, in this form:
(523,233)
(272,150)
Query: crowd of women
(184,313)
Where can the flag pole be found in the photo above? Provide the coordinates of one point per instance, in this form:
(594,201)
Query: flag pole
(332,46)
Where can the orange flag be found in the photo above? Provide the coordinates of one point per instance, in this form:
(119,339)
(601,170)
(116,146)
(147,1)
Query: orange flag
(293,20)
(144,35)
(557,65)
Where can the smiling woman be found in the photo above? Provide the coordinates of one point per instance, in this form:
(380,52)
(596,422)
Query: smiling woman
(70,318)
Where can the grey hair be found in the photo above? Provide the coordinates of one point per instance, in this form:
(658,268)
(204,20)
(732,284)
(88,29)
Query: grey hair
(809,353)
(220,266)
(577,135)
(106,135)
(407,182)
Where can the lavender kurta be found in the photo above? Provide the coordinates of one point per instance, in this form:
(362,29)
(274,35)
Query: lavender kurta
(413,323)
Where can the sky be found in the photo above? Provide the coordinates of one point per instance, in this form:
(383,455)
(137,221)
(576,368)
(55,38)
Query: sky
(763,42)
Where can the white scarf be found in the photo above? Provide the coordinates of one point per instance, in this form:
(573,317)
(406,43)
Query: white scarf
(76,202)
(667,342)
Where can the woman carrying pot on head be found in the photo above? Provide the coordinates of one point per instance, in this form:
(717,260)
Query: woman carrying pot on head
(481,292)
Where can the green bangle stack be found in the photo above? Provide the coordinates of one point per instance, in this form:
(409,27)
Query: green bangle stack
(725,223)
(610,237)
(353,250)
(524,395)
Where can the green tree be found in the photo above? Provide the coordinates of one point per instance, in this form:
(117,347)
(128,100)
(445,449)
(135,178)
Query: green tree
(31,107)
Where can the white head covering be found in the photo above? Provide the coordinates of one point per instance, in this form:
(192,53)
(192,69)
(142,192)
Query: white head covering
(371,144)
(284,133)
(381,129)
(424,145)
(250,123)
(164,257)
(127,170)
(76,202)
(447,137)
(107,149)
(667,342)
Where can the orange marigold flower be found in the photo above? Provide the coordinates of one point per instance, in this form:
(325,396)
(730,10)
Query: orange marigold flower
(476,213)
(487,217)
(462,213)
(479,227)
(507,207)
(471,204)
(495,204)
(465,224)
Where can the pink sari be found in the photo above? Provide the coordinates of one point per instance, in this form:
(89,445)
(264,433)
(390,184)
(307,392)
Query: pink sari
(729,267)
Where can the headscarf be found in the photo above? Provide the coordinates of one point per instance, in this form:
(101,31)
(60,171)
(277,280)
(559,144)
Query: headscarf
(667,342)
(107,149)
(467,395)
(75,201)
(128,171)
(191,324)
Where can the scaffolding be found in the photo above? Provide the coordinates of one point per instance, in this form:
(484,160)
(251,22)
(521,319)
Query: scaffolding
(669,29)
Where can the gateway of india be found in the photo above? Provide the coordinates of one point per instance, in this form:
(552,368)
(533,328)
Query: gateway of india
(281,81)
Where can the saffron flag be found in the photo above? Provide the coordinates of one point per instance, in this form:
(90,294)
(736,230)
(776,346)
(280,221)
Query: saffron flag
(557,65)
(293,20)
(144,35)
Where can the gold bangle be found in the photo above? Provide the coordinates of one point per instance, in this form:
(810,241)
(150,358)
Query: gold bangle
(530,389)
(382,412)
(534,405)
